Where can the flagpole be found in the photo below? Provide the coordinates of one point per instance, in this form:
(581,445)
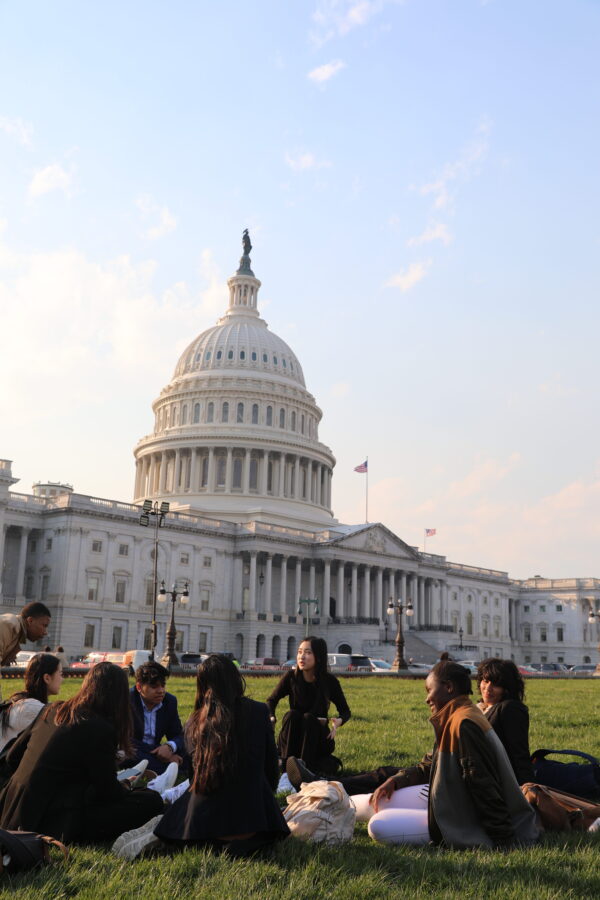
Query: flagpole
(424,540)
(367,495)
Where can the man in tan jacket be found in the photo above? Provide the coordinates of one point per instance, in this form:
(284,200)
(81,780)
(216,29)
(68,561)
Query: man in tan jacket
(30,625)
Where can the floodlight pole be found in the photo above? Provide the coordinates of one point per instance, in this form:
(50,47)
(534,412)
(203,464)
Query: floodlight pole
(307,601)
(158,512)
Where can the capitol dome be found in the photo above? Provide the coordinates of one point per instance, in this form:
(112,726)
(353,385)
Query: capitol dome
(236,431)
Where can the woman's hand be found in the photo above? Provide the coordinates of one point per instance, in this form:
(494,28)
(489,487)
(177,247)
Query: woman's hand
(383,792)
(335,724)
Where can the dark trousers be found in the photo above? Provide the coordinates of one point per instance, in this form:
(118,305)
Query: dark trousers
(106,821)
(367,782)
(143,751)
(302,735)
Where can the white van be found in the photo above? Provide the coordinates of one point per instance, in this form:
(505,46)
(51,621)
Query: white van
(134,658)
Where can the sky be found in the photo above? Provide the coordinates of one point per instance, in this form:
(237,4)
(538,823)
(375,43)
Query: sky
(421,184)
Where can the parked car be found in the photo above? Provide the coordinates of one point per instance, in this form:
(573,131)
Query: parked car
(92,659)
(527,670)
(348,662)
(418,667)
(583,669)
(469,664)
(289,664)
(23,657)
(132,659)
(190,660)
(380,665)
(263,662)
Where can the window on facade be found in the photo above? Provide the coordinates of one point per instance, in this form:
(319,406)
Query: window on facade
(219,354)
(44,588)
(470,623)
(274,360)
(149,591)
(542,608)
(196,413)
(147,639)
(496,628)
(484,627)
(204,474)
(543,633)
(485,599)
(237,473)
(88,635)
(469,598)
(254,356)
(210,412)
(179,642)
(93,585)
(525,607)
(48,543)
(242,354)
(207,356)
(559,607)
(293,423)
(33,545)
(230,354)
(240,412)
(207,562)
(265,357)
(204,599)
(221,468)
(269,415)
(269,476)
(282,418)
(120,591)
(202,642)
(184,559)
(225,412)
(253,474)
(496,601)
(454,621)
(29,582)
(284,363)
(526,633)
(560,634)
(255,413)
(123,549)
(117,637)
(184,414)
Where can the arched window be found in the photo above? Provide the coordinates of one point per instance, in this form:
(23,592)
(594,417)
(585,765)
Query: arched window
(240,412)
(469,623)
(293,421)
(219,354)
(207,356)
(184,414)
(282,418)
(254,356)
(210,412)
(204,475)
(265,357)
(242,354)
(230,354)
(255,413)
(284,363)
(239,647)
(237,472)
(276,648)
(269,415)
(196,413)
(225,412)
(274,360)
(260,644)
(291,648)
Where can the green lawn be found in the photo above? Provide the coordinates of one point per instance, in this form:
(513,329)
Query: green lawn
(389,725)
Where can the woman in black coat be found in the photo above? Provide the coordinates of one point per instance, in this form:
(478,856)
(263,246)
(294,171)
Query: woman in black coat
(502,692)
(305,732)
(230,803)
(64,782)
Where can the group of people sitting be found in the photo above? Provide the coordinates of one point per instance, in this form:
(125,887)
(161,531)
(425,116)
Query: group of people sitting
(74,769)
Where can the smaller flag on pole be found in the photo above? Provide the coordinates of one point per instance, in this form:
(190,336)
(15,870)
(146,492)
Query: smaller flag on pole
(430,532)
(364,467)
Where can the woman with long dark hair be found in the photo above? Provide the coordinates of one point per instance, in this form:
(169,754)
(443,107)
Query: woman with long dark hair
(229,800)
(305,733)
(43,678)
(502,692)
(64,782)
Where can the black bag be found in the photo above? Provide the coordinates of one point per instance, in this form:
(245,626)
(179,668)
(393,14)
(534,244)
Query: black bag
(27,850)
(582,779)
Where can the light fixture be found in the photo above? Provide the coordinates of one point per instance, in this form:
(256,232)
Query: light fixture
(261,578)
(162,594)
(409,608)
(144,518)
(147,505)
(390,607)
(164,508)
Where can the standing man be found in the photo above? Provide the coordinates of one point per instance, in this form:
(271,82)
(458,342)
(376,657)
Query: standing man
(155,716)
(30,625)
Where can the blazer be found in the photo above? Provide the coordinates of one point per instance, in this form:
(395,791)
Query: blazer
(245,802)
(168,723)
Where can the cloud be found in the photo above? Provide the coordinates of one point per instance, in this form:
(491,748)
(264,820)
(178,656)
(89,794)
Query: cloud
(459,170)
(301,162)
(437,232)
(52,178)
(18,129)
(150,209)
(340,389)
(482,476)
(336,18)
(405,279)
(323,73)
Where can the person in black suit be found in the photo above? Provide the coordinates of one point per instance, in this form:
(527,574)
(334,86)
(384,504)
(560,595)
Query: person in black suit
(64,782)
(229,801)
(155,716)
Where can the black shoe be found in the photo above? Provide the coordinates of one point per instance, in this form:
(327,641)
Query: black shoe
(298,773)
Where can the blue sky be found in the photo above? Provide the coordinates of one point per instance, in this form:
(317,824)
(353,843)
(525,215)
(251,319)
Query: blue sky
(421,184)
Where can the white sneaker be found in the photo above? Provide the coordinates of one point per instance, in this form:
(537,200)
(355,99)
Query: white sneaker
(133,843)
(595,826)
(166,780)
(135,773)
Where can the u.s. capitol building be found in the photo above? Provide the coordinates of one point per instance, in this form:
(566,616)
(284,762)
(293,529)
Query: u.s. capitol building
(235,451)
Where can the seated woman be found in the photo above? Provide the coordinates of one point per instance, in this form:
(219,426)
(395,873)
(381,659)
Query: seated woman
(305,733)
(229,802)
(43,677)
(64,782)
(502,692)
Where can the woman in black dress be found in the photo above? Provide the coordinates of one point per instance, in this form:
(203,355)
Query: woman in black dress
(502,692)
(305,733)
(64,782)
(229,802)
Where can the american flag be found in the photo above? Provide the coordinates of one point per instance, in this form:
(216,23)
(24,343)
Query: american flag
(364,467)
(429,532)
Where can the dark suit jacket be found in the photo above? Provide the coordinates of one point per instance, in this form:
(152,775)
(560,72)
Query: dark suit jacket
(168,723)
(510,721)
(245,802)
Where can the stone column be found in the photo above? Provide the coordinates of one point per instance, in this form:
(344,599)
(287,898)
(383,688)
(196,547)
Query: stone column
(366,600)
(210,479)
(414,590)
(354,594)
(268,585)
(252,585)
(281,488)
(298,584)
(229,471)
(177,473)
(283,587)
(194,472)
(424,617)
(339,600)
(19,587)
(151,474)
(246,473)
(403,596)
(297,492)
(311,580)
(381,610)
(326,588)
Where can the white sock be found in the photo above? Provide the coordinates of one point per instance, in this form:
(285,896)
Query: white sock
(174,793)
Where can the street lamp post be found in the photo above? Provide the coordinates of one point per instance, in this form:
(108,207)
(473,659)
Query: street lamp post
(595,617)
(397,609)
(158,513)
(170,657)
(307,601)
(460,637)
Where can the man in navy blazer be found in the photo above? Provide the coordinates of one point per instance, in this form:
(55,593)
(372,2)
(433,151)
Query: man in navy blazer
(154,714)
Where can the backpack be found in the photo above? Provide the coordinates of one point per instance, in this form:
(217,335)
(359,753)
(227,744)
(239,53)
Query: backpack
(321,811)
(558,811)
(581,779)
(26,850)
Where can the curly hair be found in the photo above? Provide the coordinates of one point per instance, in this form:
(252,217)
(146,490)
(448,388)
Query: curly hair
(504,674)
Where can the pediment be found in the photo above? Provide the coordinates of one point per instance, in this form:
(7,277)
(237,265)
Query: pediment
(377,539)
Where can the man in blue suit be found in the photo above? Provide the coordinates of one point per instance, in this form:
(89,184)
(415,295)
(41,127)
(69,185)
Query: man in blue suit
(155,716)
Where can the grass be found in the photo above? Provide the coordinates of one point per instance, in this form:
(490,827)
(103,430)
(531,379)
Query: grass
(388,726)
